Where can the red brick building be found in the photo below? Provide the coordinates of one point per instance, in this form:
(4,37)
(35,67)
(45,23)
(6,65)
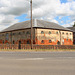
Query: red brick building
(44,33)
(73,29)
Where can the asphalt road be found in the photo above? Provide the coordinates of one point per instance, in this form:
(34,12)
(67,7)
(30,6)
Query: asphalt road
(37,63)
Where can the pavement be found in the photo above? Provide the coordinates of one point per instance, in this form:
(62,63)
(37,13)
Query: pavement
(37,63)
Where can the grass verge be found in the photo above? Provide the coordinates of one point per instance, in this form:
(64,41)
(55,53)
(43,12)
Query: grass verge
(36,50)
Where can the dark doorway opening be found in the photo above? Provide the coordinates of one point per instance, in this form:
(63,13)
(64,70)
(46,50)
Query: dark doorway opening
(19,44)
(58,43)
(13,42)
(28,42)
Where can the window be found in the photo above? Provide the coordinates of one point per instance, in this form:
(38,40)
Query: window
(7,36)
(23,32)
(6,43)
(42,32)
(70,33)
(19,33)
(13,33)
(27,32)
(42,41)
(67,39)
(50,41)
(10,34)
(70,40)
(58,43)
(3,42)
(28,42)
(56,32)
(66,33)
(62,32)
(2,34)
(49,32)
(13,42)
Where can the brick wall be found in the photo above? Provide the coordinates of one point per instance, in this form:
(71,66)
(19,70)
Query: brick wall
(8,46)
(55,36)
(74,38)
(23,46)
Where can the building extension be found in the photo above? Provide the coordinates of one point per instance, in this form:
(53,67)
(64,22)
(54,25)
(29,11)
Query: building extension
(73,29)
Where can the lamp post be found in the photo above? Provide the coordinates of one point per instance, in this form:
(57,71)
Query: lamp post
(31,26)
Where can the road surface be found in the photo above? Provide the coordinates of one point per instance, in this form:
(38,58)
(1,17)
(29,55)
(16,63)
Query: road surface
(37,63)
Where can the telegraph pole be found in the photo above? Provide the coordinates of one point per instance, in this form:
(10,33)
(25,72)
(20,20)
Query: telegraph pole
(31,26)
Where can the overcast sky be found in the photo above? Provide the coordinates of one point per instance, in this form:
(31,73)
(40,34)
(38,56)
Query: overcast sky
(58,11)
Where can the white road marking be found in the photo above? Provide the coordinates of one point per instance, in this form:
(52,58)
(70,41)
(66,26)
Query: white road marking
(31,59)
(66,57)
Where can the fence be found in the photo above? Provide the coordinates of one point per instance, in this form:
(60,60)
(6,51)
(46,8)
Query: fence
(24,46)
(8,46)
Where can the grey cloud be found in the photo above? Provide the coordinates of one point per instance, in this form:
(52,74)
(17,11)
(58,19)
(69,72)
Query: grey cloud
(46,9)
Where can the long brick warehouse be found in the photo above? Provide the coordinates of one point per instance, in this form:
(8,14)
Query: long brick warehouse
(44,33)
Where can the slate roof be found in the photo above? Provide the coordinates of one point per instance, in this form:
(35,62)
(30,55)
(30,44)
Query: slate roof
(37,24)
(72,28)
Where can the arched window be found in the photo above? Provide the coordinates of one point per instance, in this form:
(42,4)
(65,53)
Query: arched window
(58,43)
(42,41)
(42,32)
(62,32)
(66,33)
(70,33)
(50,41)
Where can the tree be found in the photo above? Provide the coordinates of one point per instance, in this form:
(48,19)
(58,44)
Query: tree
(74,24)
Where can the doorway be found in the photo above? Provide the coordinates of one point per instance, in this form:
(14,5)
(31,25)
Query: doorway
(19,44)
